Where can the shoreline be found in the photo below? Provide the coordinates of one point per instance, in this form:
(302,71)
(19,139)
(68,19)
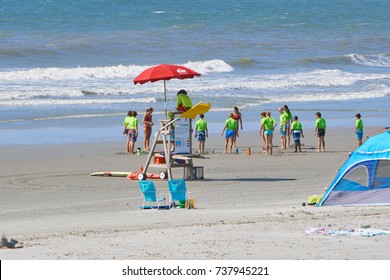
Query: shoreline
(107,129)
(247,207)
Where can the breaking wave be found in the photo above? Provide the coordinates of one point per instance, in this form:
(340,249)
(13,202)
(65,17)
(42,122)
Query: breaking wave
(379,60)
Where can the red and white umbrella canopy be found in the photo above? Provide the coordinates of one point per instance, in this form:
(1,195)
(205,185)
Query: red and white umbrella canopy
(165,72)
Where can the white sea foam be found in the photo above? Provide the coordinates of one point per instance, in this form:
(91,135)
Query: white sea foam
(313,79)
(101,73)
(52,102)
(111,85)
(210,66)
(332,96)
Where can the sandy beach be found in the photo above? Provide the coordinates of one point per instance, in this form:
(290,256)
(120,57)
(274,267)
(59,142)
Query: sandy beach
(248,207)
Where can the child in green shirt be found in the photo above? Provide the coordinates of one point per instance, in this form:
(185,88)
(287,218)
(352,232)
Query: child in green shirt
(359,129)
(268,126)
(231,126)
(296,131)
(201,132)
(131,126)
(319,130)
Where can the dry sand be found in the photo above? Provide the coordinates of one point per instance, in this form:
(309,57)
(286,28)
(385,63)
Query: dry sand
(247,207)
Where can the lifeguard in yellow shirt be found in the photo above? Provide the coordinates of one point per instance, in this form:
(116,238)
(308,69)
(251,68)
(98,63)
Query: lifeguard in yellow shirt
(183,101)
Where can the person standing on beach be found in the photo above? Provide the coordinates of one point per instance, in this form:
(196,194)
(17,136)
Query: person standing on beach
(319,130)
(238,117)
(359,129)
(296,131)
(289,121)
(131,123)
(268,127)
(231,128)
(183,101)
(201,132)
(263,116)
(148,123)
(283,128)
(126,130)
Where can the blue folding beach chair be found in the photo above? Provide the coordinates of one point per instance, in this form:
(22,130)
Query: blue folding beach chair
(178,191)
(150,196)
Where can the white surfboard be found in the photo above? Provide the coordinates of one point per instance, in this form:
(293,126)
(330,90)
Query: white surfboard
(111,174)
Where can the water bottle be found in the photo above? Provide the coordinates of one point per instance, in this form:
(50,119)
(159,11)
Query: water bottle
(236,150)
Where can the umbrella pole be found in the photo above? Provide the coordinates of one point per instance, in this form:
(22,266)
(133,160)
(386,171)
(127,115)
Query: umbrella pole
(165,99)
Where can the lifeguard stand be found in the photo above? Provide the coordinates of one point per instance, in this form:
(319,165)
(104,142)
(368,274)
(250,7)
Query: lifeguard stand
(175,138)
(182,155)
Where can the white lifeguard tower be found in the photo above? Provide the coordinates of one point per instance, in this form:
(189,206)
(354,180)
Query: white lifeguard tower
(175,137)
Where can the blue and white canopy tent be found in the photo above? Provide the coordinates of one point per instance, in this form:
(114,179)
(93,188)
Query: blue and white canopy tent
(364,178)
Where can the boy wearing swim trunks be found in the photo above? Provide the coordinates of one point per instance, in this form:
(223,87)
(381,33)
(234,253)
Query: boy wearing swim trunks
(296,131)
(319,130)
(201,132)
(231,125)
(268,127)
(359,129)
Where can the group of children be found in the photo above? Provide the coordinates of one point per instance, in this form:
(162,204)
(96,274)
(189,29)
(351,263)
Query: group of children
(289,126)
(131,129)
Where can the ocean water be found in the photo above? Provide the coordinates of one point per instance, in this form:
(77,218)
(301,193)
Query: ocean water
(67,67)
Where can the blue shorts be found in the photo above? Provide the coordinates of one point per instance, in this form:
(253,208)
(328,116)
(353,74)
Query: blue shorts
(282,131)
(359,134)
(297,136)
(230,133)
(133,137)
(269,132)
(201,136)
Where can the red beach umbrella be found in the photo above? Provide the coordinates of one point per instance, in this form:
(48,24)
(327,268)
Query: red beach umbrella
(165,72)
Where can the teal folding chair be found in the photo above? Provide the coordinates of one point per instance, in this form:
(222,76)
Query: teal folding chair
(150,196)
(178,191)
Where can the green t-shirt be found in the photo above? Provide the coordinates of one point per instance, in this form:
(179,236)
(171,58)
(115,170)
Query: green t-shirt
(130,122)
(289,115)
(183,99)
(320,123)
(296,125)
(231,124)
(269,123)
(283,119)
(201,125)
(359,124)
